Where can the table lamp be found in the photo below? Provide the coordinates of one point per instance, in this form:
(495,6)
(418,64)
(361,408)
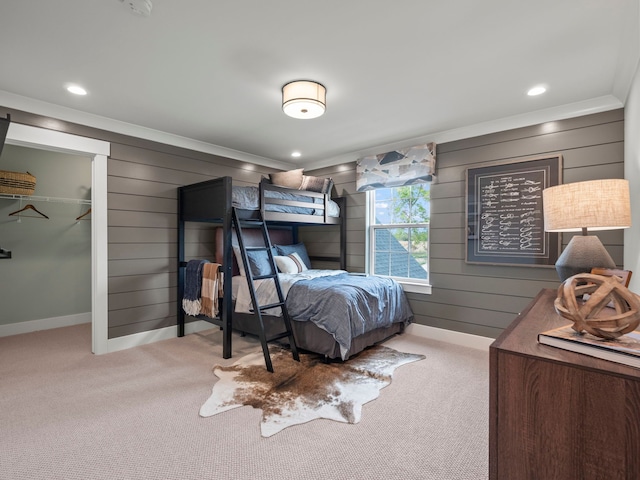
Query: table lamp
(582,206)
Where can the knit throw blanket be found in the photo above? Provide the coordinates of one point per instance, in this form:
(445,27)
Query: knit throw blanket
(211,289)
(193,287)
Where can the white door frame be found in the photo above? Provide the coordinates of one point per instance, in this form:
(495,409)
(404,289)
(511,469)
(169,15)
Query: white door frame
(98,151)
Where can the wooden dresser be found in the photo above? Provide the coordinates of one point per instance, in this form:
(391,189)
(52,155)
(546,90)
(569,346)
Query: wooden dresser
(555,414)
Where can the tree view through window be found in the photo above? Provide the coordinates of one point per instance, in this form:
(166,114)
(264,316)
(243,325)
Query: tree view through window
(400,231)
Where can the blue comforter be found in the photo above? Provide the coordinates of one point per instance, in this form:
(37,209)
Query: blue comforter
(249,198)
(347,306)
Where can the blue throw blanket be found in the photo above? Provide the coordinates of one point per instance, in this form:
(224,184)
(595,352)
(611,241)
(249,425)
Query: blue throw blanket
(193,287)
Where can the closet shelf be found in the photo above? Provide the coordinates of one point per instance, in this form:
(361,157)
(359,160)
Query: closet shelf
(35,198)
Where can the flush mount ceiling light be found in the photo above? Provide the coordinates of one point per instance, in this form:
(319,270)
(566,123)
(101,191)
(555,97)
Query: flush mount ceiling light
(304,99)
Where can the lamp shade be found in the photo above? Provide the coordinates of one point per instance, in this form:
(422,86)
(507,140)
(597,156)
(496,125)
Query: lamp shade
(304,99)
(591,205)
(583,206)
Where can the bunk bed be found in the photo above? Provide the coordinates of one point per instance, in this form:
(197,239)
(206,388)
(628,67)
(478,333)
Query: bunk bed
(212,202)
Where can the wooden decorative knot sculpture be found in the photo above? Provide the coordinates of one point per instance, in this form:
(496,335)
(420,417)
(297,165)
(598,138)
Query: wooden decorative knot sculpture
(593,315)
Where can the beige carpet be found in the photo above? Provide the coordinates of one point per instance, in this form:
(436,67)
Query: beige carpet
(68,414)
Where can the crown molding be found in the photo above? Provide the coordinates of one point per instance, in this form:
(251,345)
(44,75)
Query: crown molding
(578,109)
(587,107)
(38,107)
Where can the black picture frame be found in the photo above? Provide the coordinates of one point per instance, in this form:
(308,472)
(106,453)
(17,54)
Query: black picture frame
(505,223)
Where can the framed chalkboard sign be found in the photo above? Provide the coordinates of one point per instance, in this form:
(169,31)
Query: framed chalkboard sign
(505,224)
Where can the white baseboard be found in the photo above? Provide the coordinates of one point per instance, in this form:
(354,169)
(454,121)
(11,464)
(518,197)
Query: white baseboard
(450,336)
(143,338)
(440,334)
(44,324)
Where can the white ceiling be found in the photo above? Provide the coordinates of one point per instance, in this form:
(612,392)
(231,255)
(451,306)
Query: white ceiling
(208,74)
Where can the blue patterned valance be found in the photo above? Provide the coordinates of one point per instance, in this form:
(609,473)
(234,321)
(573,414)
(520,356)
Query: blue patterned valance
(406,166)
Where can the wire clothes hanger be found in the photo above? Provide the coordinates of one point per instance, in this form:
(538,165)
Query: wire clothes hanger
(84,214)
(29,207)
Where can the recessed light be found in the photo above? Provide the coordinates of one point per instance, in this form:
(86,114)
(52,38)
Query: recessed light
(296,154)
(76,90)
(539,90)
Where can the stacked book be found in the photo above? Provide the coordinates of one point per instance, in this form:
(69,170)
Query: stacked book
(625,349)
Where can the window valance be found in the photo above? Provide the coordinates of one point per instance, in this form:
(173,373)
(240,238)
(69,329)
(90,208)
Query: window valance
(397,168)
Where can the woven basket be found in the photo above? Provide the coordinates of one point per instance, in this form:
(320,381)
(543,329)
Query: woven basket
(17,183)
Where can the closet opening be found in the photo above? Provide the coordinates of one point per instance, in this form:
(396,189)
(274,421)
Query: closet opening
(95,151)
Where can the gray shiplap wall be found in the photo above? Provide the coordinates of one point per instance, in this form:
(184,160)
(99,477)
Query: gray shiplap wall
(142,201)
(142,182)
(483,299)
(143,177)
(324,241)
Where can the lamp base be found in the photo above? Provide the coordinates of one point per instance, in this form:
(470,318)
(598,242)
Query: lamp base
(582,254)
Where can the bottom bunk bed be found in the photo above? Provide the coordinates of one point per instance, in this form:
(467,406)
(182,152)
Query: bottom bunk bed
(333,313)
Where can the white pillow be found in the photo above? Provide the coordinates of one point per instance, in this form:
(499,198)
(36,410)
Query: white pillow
(292,263)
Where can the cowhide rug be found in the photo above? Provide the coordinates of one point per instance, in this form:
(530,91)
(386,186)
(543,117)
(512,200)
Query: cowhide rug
(298,392)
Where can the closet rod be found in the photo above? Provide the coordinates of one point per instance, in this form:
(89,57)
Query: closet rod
(35,198)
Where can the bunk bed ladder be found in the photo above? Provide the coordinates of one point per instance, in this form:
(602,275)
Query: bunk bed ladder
(257,308)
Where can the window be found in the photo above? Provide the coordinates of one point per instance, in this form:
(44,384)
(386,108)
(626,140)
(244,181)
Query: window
(399,233)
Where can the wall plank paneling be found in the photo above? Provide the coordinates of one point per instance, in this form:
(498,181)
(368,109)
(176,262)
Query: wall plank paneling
(143,177)
(592,147)
(324,239)
(142,182)
(484,299)
(143,205)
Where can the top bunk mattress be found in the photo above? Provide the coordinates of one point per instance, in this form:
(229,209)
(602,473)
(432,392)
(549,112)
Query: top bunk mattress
(248,198)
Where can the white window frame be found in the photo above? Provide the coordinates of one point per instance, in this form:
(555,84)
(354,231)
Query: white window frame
(413,285)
